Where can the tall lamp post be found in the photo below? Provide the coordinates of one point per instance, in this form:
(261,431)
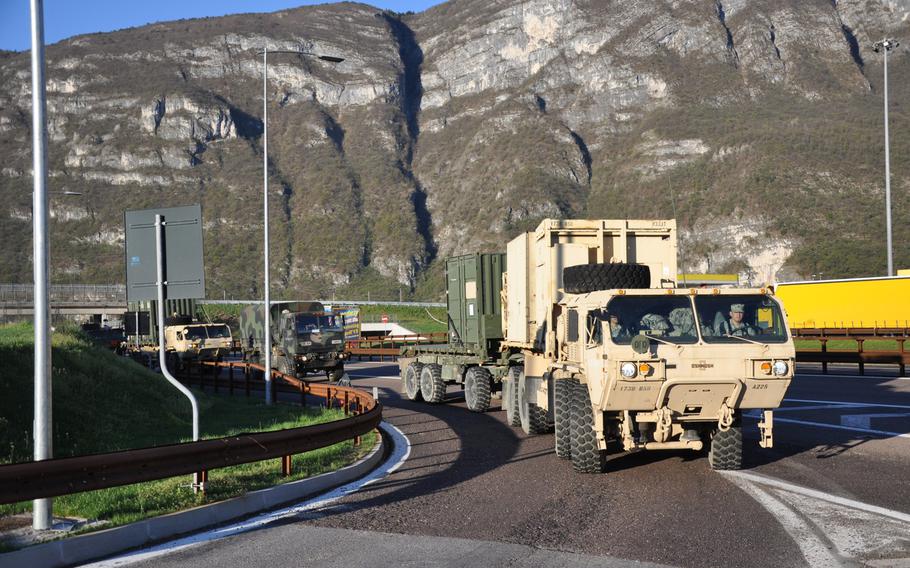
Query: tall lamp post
(265,203)
(884,47)
(42,509)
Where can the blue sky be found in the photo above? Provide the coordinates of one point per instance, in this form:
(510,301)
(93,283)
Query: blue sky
(66,18)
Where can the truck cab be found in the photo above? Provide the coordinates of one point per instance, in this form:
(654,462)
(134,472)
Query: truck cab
(197,342)
(676,369)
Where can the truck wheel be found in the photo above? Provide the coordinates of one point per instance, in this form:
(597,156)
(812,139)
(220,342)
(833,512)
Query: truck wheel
(604,276)
(510,395)
(284,366)
(432,387)
(726,450)
(412,381)
(562,415)
(335,374)
(533,418)
(586,456)
(477,387)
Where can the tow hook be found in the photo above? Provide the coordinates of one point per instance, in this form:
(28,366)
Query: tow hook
(664,424)
(766,428)
(726,418)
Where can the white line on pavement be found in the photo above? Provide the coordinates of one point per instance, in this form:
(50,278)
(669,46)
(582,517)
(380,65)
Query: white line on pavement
(834,403)
(839,427)
(805,491)
(400,451)
(815,551)
(840,376)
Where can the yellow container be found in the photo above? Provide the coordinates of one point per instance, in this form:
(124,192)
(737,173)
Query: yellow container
(859,302)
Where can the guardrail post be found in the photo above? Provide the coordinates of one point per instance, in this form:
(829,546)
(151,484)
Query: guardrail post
(301,387)
(216,373)
(347,404)
(246,379)
(286,466)
(903,365)
(824,341)
(231,379)
(272,385)
(200,479)
(859,350)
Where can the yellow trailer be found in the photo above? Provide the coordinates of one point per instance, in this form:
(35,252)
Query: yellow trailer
(854,302)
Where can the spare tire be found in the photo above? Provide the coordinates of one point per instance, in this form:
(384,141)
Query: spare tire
(605,276)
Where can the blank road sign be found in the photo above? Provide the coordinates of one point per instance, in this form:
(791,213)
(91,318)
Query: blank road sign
(183,268)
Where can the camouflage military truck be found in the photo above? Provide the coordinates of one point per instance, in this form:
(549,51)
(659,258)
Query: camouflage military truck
(196,342)
(305,339)
(613,354)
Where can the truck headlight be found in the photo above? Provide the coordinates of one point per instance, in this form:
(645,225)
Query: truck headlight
(628,370)
(780,368)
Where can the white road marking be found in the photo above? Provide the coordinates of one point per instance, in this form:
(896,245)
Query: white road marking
(848,403)
(819,522)
(820,495)
(400,452)
(848,428)
(866,376)
(865,420)
(814,550)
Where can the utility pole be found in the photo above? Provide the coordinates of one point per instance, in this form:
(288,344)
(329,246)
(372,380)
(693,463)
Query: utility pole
(884,47)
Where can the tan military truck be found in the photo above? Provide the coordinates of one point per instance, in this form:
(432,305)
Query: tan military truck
(613,353)
(196,342)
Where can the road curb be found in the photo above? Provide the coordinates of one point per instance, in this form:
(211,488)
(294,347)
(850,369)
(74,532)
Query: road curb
(92,546)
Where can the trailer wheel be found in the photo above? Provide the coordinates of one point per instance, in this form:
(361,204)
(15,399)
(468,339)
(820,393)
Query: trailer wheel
(604,276)
(412,381)
(477,387)
(533,418)
(432,387)
(586,456)
(562,417)
(726,450)
(284,366)
(510,395)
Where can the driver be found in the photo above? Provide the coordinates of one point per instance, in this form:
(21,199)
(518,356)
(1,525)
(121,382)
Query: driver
(736,325)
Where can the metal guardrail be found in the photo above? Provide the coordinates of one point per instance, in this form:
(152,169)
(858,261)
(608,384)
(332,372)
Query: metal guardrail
(23,293)
(860,356)
(62,476)
(390,346)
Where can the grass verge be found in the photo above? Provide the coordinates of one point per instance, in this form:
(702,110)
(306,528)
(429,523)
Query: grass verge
(105,403)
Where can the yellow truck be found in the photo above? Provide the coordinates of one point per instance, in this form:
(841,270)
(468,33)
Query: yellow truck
(853,302)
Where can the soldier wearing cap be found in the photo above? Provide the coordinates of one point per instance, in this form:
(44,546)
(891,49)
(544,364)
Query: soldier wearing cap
(737,325)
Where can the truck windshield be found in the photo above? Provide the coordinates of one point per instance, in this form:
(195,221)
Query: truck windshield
(308,322)
(219,331)
(195,333)
(726,319)
(668,317)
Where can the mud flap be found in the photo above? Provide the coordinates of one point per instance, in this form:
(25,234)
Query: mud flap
(766,429)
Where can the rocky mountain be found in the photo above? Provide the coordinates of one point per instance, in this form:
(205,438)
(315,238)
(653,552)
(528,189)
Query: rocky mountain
(756,123)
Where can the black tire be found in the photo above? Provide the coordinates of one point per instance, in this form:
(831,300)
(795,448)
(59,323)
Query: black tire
(478,383)
(604,276)
(432,387)
(335,373)
(586,456)
(283,365)
(726,450)
(562,417)
(510,395)
(411,380)
(534,420)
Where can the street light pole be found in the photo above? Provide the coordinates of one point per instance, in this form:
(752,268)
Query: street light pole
(267,344)
(42,509)
(885,46)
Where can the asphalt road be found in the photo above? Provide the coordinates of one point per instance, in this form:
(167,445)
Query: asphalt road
(477,492)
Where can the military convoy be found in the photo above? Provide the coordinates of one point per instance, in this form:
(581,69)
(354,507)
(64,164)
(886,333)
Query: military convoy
(580,328)
(305,339)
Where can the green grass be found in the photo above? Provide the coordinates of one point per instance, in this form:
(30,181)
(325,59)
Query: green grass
(104,403)
(847,345)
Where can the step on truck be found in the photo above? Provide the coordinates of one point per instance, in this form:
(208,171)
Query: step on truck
(600,346)
(305,338)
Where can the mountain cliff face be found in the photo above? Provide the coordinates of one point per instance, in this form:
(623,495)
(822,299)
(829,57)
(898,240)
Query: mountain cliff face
(756,123)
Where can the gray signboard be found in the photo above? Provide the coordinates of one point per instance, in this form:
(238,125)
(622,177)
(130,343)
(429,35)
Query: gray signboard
(183,269)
